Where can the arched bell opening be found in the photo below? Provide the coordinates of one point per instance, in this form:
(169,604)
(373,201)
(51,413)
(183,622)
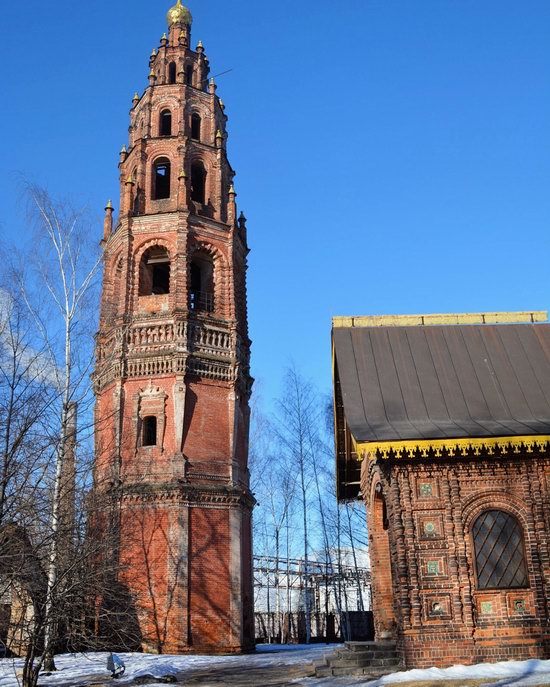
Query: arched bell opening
(172,73)
(196,126)
(165,123)
(201,286)
(154,272)
(198,183)
(161,179)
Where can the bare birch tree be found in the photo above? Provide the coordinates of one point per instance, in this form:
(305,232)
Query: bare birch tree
(297,491)
(296,417)
(57,283)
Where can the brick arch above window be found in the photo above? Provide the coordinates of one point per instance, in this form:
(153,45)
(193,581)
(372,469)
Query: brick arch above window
(167,103)
(209,249)
(139,253)
(376,484)
(117,261)
(475,504)
(150,243)
(198,108)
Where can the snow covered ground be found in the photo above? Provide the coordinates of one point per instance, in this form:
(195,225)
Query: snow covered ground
(79,670)
(508,673)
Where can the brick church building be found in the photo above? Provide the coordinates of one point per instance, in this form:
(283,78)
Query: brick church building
(172,375)
(443,430)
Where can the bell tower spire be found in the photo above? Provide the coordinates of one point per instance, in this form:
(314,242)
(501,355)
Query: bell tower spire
(172,376)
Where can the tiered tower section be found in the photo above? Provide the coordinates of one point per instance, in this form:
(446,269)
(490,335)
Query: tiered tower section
(172,374)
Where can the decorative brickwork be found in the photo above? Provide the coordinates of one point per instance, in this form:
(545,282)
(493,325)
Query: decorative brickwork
(442,427)
(426,584)
(172,375)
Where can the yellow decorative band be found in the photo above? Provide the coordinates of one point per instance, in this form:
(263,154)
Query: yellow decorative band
(448,448)
(529,317)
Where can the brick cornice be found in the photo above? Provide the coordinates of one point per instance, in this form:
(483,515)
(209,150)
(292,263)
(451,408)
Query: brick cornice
(182,494)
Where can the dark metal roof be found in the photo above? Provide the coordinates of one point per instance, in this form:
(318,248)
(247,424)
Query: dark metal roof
(435,382)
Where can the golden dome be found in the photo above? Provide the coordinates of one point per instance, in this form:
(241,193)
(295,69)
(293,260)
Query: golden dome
(179,15)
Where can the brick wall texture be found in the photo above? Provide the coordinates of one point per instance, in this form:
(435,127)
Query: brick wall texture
(425,588)
(173,347)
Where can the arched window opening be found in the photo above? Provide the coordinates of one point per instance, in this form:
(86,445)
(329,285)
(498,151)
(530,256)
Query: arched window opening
(198,183)
(161,179)
(196,127)
(201,293)
(499,551)
(172,72)
(149,431)
(165,123)
(140,128)
(189,75)
(154,278)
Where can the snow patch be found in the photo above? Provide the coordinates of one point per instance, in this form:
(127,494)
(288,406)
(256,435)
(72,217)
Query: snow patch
(513,673)
(80,669)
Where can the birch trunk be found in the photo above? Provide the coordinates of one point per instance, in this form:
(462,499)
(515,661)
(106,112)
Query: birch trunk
(49,633)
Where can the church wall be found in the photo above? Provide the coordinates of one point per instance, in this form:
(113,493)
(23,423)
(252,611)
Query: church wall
(207,429)
(210,580)
(172,377)
(441,616)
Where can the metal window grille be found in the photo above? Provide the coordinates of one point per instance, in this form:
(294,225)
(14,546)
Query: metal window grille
(200,300)
(499,551)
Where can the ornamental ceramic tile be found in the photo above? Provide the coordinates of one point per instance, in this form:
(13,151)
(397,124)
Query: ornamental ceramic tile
(426,490)
(486,607)
(432,567)
(520,606)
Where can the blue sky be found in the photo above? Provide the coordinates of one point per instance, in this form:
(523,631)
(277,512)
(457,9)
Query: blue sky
(392,156)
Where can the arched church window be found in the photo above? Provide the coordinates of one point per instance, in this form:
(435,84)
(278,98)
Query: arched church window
(154,272)
(196,126)
(201,292)
(149,431)
(198,183)
(161,179)
(189,75)
(165,123)
(172,72)
(499,551)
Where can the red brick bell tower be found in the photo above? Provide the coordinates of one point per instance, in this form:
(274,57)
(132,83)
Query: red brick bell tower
(172,375)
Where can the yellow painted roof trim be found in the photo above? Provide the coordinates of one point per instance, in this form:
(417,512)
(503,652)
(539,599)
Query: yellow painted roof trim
(442,448)
(524,317)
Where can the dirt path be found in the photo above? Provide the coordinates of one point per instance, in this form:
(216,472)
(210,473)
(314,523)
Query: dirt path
(247,676)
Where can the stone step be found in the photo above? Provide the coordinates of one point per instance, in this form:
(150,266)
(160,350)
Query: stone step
(372,673)
(342,653)
(363,662)
(361,658)
(323,671)
(371,646)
